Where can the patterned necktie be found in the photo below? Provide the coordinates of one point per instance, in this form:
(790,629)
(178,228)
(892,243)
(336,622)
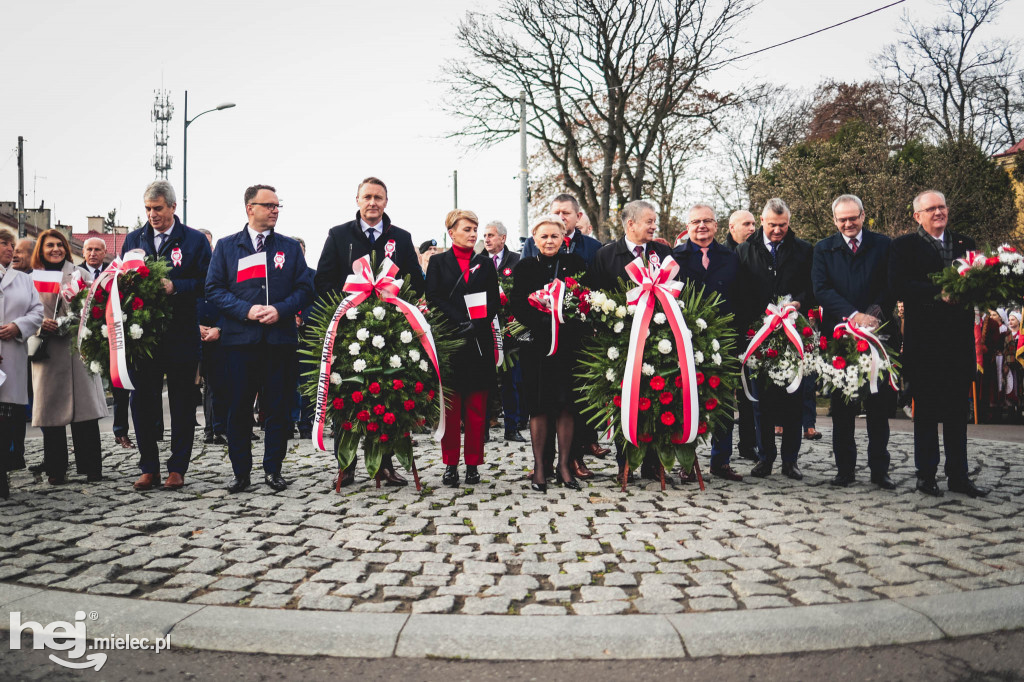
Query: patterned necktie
(853,245)
(638,251)
(775,255)
(704,260)
(259,242)
(371,234)
(159,242)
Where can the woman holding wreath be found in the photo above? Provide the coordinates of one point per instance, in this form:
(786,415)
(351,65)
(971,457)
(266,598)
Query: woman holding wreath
(464,287)
(547,388)
(65,392)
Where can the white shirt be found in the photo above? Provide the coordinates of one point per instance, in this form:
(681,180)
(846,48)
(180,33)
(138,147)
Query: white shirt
(632,247)
(860,243)
(378,229)
(500,256)
(768,243)
(159,238)
(252,236)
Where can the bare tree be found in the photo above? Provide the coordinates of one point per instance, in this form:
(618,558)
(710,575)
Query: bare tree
(966,87)
(601,77)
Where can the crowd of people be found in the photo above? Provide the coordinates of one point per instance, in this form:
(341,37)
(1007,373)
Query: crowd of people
(241,333)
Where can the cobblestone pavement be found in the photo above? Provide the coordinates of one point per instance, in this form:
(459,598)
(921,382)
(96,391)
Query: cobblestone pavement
(497,547)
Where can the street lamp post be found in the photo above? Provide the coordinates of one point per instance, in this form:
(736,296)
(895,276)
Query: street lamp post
(184,161)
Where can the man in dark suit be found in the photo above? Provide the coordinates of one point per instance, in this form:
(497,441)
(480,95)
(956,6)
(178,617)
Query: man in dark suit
(495,236)
(187,253)
(774,263)
(708,264)
(370,233)
(741,225)
(639,222)
(850,275)
(938,344)
(258,298)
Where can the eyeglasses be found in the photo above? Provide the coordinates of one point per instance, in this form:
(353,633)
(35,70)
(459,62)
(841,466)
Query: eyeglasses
(705,221)
(269,207)
(843,221)
(933,209)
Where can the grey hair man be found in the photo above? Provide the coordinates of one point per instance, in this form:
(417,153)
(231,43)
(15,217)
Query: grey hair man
(23,255)
(94,250)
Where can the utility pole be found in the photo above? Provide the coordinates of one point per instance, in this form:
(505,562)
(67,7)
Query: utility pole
(21,187)
(524,173)
(455,187)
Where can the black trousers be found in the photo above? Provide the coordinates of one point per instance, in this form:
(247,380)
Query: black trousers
(86,437)
(779,408)
(267,369)
(122,400)
(926,447)
(878,407)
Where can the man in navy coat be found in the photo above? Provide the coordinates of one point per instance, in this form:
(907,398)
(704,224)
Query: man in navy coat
(259,281)
(708,264)
(177,356)
(850,275)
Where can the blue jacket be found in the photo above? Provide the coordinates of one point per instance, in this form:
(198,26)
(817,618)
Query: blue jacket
(583,246)
(180,342)
(846,283)
(291,289)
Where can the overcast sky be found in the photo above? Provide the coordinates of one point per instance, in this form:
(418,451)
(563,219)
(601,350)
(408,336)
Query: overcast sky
(326,94)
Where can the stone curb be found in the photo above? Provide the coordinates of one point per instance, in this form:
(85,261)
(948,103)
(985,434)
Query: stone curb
(695,635)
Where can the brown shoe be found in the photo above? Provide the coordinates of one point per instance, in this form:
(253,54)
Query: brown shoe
(688,476)
(125,442)
(147,482)
(778,430)
(596,450)
(726,472)
(580,470)
(345,477)
(391,478)
(175,481)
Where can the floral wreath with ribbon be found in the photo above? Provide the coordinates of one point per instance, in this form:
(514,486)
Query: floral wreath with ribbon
(855,359)
(783,350)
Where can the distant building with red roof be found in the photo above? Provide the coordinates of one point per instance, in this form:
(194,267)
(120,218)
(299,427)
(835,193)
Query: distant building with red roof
(1009,160)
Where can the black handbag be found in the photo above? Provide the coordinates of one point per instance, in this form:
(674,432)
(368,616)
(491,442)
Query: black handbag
(36,347)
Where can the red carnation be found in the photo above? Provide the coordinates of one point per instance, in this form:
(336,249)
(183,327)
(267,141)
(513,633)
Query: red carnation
(374,388)
(357,397)
(418,388)
(710,404)
(570,282)
(838,334)
(992,260)
(812,314)
(338,403)
(679,381)
(646,438)
(644,404)
(657,383)
(503,299)
(750,333)
(383,438)
(347,426)
(617,401)
(373,427)
(397,385)
(772,353)
(100,296)
(702,427)
(584,306)
(862,346)
(409,405)
(388,418)
(430,394)
(363,416)
(379,410)
(143,271)
(714,382)
(700,379)
(839,362)
(807,331)
(665,398)
(137,303)
(677,438)
(97,312)
(668,419)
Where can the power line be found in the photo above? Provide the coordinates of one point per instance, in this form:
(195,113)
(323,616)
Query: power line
(808,35)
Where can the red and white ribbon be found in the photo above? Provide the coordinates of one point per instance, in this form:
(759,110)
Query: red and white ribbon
(114,318)
(776,316)
(963,265)
(361,285)
(658,283)
(549,300)
(499,342)
(879,356)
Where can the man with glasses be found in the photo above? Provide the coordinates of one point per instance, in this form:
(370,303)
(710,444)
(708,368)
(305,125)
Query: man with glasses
(259,281)
(850,274)
(370,233)
(938,344)
(714,267)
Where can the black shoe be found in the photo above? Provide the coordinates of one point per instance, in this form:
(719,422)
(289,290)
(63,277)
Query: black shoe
(539,487)
(762,469)
(842,481)
(305,434)
(94,478)
(451,476)
(928,486)
(514,436)
(966,486)
(572,483)
(749,456)
(472,474)
(5,486)
(275,481)
(791,470)
(237,485)
(883,481)
(209,439)
(37,468)
(487,435)
(220,439)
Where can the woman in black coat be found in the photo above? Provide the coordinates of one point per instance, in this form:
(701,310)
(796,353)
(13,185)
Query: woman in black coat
(464,286)
(547,388)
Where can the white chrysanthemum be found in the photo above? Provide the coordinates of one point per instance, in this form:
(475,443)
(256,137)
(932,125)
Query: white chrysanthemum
(395,361)
(1004,270)
(378,312)
(424,366)
(608,306)
(406,336)
(335,378)
(1018,269)
(354,348)
(715,346)
(619,326)
(610,375)
(659,318)
(664,346)
(631,309)
(597,299)
(613,353)
(86,332)
(378,341)
(363,334)
(701,324)
(359,365)
(620,311)
(352,313)
(717,359)
(647,369)
(103,331)
(414,355)
(698,357)
(95,367)
(135,331)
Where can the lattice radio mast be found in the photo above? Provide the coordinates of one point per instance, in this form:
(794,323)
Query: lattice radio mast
(161,115)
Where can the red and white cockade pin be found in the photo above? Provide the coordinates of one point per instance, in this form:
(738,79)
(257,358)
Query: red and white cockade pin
(279,260)
(389,248)
(176,257)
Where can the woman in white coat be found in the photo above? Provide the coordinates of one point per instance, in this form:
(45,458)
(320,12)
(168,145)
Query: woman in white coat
(65,392)
(20,316)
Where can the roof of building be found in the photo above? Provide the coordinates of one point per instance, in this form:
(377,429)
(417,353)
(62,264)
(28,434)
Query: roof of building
(113,241)
(1019,147)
